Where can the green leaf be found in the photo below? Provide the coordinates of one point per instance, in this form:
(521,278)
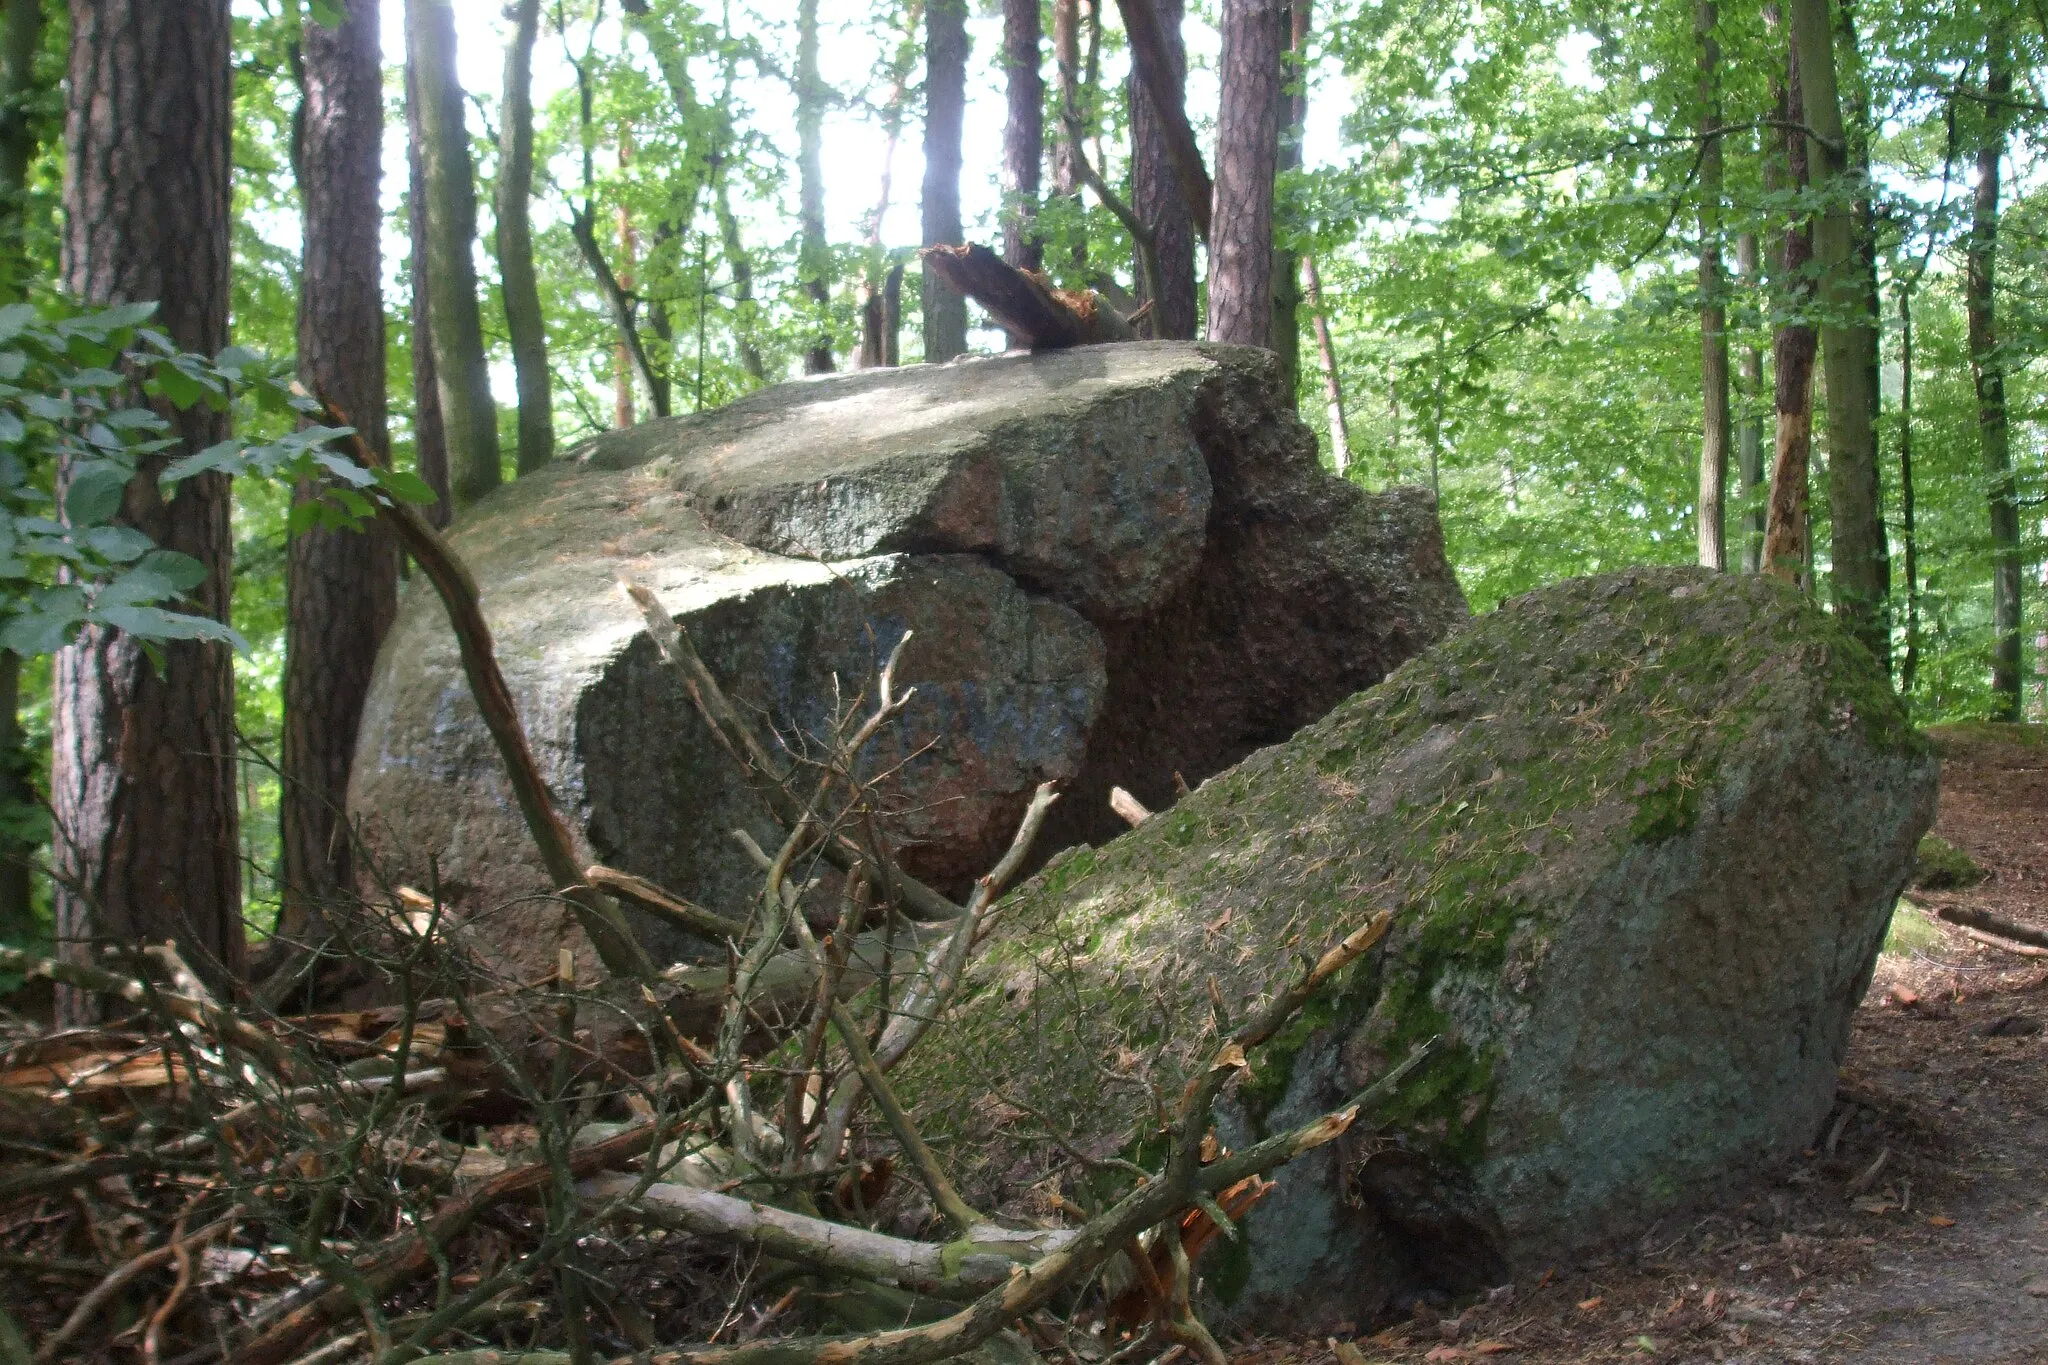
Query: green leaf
(328,13)
(125,315)
(15,319)
(154,623)
(94,493)
(118,544)
(405,485)
(182,571)
(225,456)
(46,625)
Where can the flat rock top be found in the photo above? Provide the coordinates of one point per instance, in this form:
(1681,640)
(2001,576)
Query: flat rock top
(838,424)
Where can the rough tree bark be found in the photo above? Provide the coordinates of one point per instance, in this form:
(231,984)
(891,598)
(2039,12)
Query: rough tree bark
(1333,383)
(1286,341)
(21,37)
(468,416)
(945,109)
(1786,534)
(1155,186)
(429,437)
(143,774)
(1159,64)
(814,255)
(341,586)
(1247,155)
(1749,432)
(1066,152)
(523,317)
(1849,340)
(1987,369)
(1713,520)
(1023,133)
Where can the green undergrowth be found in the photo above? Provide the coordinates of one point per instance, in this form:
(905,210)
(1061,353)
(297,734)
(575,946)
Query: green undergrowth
(1939,865)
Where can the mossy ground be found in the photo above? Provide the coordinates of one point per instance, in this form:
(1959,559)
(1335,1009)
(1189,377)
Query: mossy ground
(1939,865)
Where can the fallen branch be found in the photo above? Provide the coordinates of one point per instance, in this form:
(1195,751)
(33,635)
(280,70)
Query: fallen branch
(664,905)
(1984,922)
(1024,302)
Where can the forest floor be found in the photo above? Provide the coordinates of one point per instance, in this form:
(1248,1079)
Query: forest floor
(1914,1230)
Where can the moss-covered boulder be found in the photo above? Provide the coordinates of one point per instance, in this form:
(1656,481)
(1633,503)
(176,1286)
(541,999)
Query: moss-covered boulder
(1641,835)
(1120,562)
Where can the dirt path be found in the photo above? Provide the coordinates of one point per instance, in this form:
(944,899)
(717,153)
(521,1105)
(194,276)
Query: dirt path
(1916,1229)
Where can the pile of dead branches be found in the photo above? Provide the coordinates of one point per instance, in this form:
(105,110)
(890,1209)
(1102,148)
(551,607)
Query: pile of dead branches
(699,1162)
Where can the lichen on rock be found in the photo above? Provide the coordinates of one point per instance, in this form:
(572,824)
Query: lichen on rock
(1640,834)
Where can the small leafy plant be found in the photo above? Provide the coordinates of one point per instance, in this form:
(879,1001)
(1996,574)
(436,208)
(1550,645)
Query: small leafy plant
(85,398)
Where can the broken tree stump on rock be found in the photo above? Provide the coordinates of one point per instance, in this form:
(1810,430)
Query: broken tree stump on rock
(1024,302)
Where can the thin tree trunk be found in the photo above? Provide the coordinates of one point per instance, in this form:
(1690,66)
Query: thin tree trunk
(1333,384)
(1713,523)
(1159,64)
(143,775)
(341,586)
(945,109)
(1156,195)
(1023,133)
(1848,337)
(1910,669)
(524,319)
(1987,368)
(468,416)
(429,436)
(741,263)
(20,40)
(814,255)
(1286,341)
(623,414)
(1067,153)
(1247,155)
(1749,432)
(1787,538)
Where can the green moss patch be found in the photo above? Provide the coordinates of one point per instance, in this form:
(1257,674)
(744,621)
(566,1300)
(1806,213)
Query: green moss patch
(1939,865)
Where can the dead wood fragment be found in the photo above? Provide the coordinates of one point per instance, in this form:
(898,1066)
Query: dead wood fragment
(1132,811)
(1024,302)
(1970,917)
(664,904)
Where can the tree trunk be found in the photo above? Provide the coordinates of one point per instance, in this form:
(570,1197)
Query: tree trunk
(1908,670)
(429,437)
(1023,133)
(1333,384)
(945,109)
(20,40)
(1066,150)
(1247,155)
(1749,433)
(1159,64)
(143,776)
(1713,522)
(523,317)
(341,586)
(623,351)
(814,255)
(461,369)
(1849,336)
(741,263)
(1155,188)
(1987,368)
(1286,341)
(1787,542)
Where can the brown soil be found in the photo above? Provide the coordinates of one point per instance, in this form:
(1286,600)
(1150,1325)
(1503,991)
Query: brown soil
(1916,1227)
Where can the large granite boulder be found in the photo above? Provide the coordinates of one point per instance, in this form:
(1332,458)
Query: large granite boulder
(1641,836)
(1120,563)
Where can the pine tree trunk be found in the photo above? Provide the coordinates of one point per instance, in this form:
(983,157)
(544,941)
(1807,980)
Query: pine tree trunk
(1023,133)
(143,775)
(945,109)
(21,36)
(1286,341)
(524,320)
(429,438)
(341,586)
(1155,189)
(1787,538)
(814,256)
(1159,66)
(1987,368)
(1749,433)
(1713,521)
(1247,155)
(468,416)
(1848,339)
